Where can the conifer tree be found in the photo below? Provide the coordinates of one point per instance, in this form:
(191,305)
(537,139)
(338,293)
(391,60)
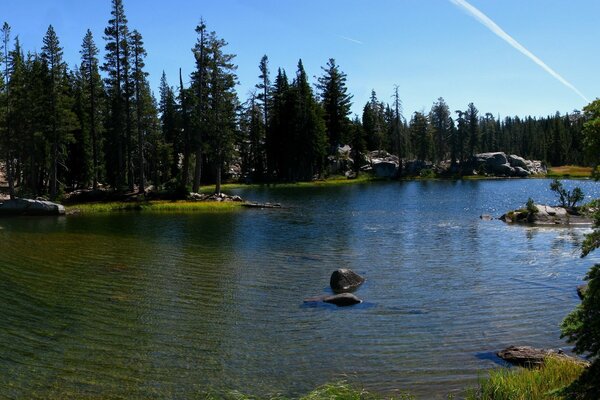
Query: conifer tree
(92,95)
(7,137)
(199,79)
(336,103)
(221,109)
(139,84)
(441,123)
(116,34)
(61,118)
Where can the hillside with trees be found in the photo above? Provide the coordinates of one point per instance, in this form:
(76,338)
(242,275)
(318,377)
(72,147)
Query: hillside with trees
(100,125)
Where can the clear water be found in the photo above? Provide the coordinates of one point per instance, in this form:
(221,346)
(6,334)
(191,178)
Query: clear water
(172,305)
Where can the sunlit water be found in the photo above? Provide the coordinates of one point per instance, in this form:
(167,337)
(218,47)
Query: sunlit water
(173,305)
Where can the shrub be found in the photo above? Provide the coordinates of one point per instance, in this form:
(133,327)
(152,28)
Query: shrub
(567,198)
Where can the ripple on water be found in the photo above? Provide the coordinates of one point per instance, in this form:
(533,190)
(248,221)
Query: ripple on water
(169,305)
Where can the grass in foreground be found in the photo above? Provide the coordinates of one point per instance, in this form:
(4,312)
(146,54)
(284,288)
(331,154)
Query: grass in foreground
(572,171)
(155,206)
(545,383)
(330,391)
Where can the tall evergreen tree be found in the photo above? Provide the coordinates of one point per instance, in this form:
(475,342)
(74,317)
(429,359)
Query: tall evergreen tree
(336,103)
(200,81)
(472,120)
(139,84)
(62,120)
(115,35)
(221,116)
(92,95)
(441,122)
(7,137)
(421,136)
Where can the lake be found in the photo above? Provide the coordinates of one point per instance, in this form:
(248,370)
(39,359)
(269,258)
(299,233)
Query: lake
(148,305)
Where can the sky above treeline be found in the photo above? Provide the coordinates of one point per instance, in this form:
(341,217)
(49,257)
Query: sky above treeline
(509,57)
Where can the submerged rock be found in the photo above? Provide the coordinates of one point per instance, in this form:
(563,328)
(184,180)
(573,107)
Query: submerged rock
(345,280)
(342,299)
(31,207)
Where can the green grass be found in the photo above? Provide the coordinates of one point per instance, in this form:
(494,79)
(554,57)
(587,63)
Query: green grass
(336,180)
(330,391)
(569,171)
(544,383)
(155,206)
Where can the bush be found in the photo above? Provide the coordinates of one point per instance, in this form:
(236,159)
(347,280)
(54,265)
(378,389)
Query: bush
(567,198)
(531,208)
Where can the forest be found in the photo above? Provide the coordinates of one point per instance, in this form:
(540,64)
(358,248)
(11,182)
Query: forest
(100,125)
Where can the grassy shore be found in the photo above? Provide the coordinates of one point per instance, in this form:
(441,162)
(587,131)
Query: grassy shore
(569,171)
(155,206)
(548,382)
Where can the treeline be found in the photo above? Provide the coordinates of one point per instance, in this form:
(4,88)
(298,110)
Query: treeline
(100,124)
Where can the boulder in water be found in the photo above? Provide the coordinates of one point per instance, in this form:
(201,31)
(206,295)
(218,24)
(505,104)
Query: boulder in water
(31,207)
(345,280)
(343,299)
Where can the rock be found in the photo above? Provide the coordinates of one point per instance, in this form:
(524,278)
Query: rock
(520,172)
(236,198)
(343,299)
(547,215)
(31,207)
(385,169)
(516,161)
(486,217)
(527,356)
(345,280)
(350,174)
(581,290)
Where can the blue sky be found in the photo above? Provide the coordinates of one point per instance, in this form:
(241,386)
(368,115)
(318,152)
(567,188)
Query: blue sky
(429,48)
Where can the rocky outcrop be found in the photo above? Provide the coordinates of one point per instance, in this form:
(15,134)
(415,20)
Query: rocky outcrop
(547,215)
(526,356)
(500,164)
(345,280)
(384,164)
(30,207)
(213,197)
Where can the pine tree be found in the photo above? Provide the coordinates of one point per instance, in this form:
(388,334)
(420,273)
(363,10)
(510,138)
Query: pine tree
(421,135)
(92,95)
(396,136)
(170,122)
(62,119)
(336,103)
(7,137)
(221,109)
(441,122)
(472,120)
(200,81)
(139,83)
(116,34)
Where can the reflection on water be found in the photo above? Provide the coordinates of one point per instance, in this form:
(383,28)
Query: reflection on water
(139,305)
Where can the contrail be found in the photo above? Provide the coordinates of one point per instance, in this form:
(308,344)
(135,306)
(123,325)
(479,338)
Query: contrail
(350,39)
(492,26)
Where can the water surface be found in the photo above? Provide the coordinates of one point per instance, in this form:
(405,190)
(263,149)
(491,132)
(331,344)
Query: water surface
(172,305)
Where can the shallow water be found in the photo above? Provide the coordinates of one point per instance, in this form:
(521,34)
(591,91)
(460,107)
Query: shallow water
(172,305)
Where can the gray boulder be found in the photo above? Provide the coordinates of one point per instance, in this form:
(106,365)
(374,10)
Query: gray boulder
(516,161)
(385,169)
(30,207)
(343,299)
(531,357)
(345,280)
(520,172)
